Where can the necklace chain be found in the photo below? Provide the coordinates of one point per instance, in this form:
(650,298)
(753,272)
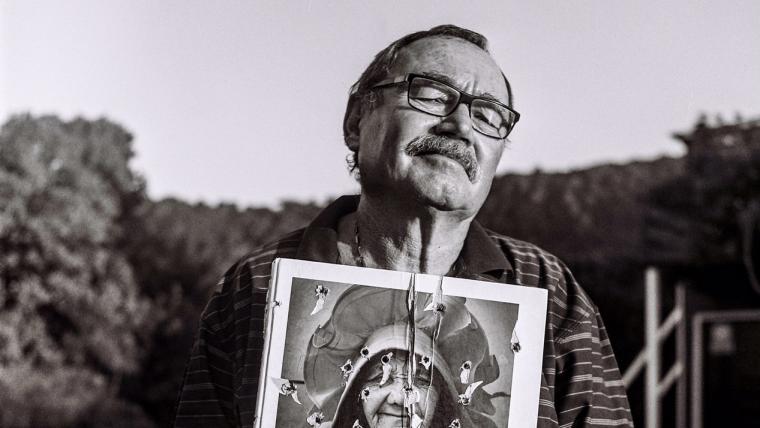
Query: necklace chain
(357,239)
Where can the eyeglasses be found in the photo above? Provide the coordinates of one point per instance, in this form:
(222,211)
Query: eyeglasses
(428,95)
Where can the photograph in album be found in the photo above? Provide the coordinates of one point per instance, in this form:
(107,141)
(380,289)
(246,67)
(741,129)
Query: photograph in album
(357,347)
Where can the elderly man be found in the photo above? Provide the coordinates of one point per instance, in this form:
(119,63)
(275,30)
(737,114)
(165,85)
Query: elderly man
(427,123)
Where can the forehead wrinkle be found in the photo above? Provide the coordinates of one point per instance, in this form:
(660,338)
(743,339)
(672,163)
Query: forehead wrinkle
(428,54)
(449,81)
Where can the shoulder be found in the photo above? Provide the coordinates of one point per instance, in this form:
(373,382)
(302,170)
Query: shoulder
(569,304)
(258,263)
(247,280)
(533,265)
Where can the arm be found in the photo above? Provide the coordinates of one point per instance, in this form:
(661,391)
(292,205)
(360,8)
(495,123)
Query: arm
(581,384)
(206,397)
(221,378)
(589,391)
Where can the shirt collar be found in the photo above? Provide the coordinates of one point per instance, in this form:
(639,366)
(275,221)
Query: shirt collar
(480,257)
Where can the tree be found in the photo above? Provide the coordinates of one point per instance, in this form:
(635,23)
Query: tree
(707,219)
(70,306)
(179,252)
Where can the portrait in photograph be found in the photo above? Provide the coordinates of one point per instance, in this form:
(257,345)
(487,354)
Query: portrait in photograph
(389,354)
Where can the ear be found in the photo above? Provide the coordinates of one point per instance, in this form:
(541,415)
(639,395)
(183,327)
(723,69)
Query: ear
(351,121)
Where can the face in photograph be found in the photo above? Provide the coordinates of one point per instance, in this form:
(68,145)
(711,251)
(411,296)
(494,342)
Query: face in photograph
(383,407)
(374,405)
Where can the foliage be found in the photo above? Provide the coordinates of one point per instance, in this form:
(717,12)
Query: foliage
(589,216)
(101,288)
(179,251)
(71,308)
(702,219)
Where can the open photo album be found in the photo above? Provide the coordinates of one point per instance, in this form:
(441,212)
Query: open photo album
(357,347)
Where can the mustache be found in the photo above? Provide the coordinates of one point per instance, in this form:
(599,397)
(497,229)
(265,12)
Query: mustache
(449,147)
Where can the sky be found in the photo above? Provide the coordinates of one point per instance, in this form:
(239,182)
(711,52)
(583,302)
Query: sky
(242,101)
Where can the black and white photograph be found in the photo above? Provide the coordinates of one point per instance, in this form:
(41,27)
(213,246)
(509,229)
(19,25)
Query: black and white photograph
(161,161)
(354,355)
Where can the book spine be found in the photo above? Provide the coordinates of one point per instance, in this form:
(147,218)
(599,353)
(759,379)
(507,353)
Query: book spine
(268,320)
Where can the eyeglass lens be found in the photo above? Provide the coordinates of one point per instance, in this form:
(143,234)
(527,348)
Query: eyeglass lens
(439,99)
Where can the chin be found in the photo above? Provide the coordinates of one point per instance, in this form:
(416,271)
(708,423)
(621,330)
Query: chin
(441,192)
(443,198)
(449,193)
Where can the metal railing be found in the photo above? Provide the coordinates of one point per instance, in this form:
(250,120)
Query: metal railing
(651,356)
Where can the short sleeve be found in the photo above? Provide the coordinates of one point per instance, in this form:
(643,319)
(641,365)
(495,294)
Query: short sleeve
(206,396)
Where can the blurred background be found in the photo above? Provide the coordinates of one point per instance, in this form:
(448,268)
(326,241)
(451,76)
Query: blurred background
(147,145)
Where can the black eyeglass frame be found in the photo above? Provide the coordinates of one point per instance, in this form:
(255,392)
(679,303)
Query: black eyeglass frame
(464,98)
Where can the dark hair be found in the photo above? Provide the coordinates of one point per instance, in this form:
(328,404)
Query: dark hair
(378,70)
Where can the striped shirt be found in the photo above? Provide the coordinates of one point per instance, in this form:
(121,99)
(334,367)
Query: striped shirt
(580,387)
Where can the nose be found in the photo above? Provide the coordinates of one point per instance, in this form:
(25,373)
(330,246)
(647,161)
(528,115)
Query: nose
(457,124)
(396,393)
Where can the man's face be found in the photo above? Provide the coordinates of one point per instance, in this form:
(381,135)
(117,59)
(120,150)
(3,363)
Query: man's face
(383,406)
(385,132)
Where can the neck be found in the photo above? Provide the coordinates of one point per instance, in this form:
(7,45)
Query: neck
(398,236)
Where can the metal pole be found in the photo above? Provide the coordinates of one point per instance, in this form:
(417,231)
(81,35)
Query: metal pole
(696,371)
(681,358)
(671,322)
(652,319)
